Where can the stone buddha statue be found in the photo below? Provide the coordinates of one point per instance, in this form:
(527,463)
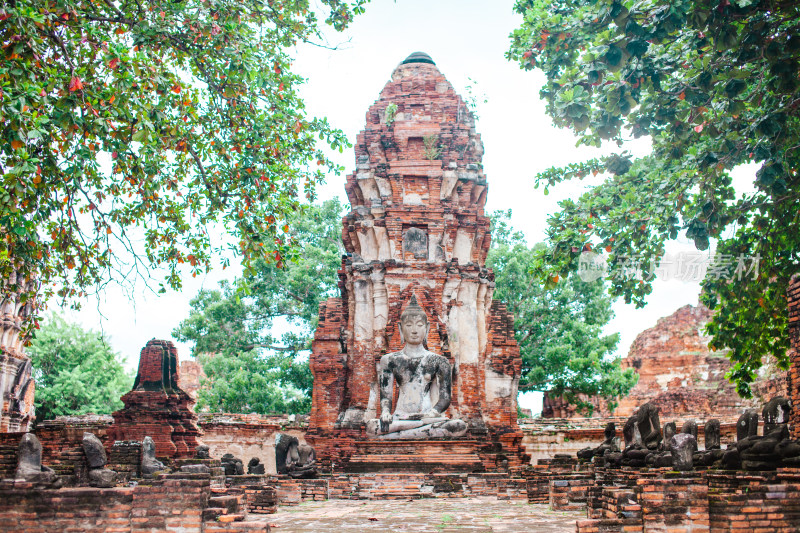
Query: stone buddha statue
(425,382)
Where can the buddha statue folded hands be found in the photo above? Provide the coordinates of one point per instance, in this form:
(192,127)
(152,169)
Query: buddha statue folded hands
(424,380)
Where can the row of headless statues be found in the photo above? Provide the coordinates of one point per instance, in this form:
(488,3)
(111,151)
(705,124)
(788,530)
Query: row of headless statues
(292,458)
(647,445)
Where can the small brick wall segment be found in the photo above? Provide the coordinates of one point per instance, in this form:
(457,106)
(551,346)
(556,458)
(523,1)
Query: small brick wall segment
(417,227)
(157,407)
(62,446)
(160,505)
(794,354)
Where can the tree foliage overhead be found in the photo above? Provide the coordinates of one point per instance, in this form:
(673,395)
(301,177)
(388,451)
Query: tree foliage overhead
(133,131)
(559,330)
(250,340)
(76,371)
(714,84)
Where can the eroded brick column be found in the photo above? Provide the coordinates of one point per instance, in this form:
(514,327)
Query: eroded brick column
(16,383)
(793,377)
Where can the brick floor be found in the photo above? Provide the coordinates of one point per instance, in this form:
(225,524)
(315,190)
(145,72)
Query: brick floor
(429,515)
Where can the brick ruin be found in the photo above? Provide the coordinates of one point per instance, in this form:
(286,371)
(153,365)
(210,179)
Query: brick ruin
(793,375)
(680,374)
(762,493)
(157,407)
(417,229)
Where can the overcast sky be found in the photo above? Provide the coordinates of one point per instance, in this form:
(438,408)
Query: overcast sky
(467,39)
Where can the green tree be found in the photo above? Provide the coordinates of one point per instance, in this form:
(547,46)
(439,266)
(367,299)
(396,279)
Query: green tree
(250,336)
(714,84)
(133,131)
(76,371)
(559,330)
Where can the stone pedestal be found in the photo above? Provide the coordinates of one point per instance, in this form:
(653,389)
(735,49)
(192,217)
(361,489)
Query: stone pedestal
(157,407)
(417,229)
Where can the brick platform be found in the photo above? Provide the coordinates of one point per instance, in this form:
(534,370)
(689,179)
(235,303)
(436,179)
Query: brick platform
(417,456)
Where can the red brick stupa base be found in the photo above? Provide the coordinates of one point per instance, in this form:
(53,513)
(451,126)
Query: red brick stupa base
(157,407)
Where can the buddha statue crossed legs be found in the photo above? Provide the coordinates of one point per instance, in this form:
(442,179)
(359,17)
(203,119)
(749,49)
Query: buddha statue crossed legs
(424,380)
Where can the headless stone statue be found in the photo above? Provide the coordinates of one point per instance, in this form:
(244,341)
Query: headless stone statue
(255,466)
(608,445)
(149,464)
(233,465)
(96,460)
(29,467)
(690,427)
(424,380)
(294,459)
(670,429)
(682,446)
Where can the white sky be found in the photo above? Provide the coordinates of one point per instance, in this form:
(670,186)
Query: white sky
(466,39)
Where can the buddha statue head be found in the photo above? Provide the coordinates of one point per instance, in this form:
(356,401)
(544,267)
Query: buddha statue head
(414,324)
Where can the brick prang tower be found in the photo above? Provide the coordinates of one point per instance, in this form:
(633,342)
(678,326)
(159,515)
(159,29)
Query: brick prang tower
(417,228)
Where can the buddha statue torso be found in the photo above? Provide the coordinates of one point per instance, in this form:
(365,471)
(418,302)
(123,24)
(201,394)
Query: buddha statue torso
(424,380)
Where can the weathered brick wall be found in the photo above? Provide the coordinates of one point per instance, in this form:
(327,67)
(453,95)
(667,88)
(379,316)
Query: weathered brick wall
(678,501)
(248,436)
(761,501)
(793,380)
(62,448)
(653,499)
(174,505)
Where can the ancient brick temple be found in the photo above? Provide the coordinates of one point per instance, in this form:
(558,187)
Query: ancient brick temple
(417,228)
(16,383)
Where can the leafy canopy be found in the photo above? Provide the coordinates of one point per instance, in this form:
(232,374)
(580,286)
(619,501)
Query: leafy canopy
(714,84)
(135,131)
(559,330)
(76,371)
(251,341)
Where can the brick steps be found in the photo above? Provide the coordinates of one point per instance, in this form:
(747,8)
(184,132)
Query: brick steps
(470,462)
(416,456)
(236,527)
